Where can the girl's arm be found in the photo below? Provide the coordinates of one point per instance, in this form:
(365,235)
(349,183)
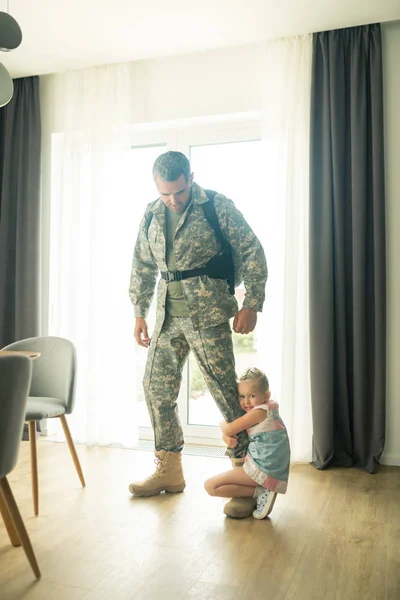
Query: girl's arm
(253,417)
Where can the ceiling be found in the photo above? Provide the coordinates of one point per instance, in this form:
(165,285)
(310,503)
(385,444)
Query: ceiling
(73,34)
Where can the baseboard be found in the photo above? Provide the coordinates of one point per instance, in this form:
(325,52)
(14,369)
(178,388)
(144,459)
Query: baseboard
(390,459)
(191,449)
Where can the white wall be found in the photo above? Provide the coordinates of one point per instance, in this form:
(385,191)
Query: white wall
(391,55)
(229,81)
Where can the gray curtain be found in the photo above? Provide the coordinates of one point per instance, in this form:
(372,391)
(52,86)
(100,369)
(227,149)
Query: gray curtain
(20,150)
(347,249)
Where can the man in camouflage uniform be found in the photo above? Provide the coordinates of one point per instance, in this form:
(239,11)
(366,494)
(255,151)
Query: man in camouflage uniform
(192,314)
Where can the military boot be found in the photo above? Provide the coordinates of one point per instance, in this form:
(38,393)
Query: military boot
(168,476)
(239,508)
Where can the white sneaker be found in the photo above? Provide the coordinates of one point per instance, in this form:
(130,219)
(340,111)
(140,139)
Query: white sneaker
(265,503)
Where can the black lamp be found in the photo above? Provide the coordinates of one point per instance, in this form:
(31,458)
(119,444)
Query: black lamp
(10,38)
(6,86)
(10,33)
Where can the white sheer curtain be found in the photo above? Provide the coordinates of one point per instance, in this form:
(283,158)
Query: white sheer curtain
(286,322)
(96,203)
(99,190)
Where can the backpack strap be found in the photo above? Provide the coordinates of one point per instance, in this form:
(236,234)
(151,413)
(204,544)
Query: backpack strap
(227,264)
(211,216)
(218,267)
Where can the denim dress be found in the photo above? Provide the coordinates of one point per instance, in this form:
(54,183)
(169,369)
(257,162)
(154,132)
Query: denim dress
(268,455)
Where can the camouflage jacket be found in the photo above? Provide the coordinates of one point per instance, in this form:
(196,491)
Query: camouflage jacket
(208,300)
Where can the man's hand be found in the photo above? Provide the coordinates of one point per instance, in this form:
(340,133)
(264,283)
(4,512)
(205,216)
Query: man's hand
(230,440)
(245,320)
(141,334)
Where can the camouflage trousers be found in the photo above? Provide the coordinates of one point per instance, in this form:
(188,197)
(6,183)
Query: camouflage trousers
(213,351)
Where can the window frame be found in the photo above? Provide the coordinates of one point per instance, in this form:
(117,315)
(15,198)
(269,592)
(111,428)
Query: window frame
(230,129)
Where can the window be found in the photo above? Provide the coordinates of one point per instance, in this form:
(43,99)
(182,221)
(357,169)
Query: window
(231,159)
(227,156)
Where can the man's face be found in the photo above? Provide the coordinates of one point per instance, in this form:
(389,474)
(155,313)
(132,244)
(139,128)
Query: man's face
(175,194)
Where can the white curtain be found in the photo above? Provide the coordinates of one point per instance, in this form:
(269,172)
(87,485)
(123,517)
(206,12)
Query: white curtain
(286,322)
(99,191)
(94,220)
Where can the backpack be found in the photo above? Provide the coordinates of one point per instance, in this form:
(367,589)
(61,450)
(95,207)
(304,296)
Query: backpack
(218,267)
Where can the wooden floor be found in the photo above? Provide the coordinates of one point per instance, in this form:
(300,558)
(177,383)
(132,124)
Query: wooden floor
(334,536)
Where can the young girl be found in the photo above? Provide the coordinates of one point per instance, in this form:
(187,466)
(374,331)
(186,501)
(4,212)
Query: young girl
(266,468)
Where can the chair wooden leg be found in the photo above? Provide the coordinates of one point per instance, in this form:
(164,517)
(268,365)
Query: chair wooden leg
(34,467)
(72,449)
(12,534)
(13,510)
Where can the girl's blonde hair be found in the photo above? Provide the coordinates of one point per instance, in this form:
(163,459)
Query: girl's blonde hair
(254,374)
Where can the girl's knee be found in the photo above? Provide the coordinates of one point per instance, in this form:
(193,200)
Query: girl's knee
(209,487)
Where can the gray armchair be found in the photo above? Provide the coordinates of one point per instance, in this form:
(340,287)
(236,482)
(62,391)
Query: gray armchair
(15,380)
(52,394)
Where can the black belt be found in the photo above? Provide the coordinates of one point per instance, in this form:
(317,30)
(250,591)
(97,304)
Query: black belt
(218,267)
(169,276)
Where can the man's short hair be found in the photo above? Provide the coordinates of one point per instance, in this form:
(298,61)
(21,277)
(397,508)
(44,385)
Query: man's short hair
(171,165)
